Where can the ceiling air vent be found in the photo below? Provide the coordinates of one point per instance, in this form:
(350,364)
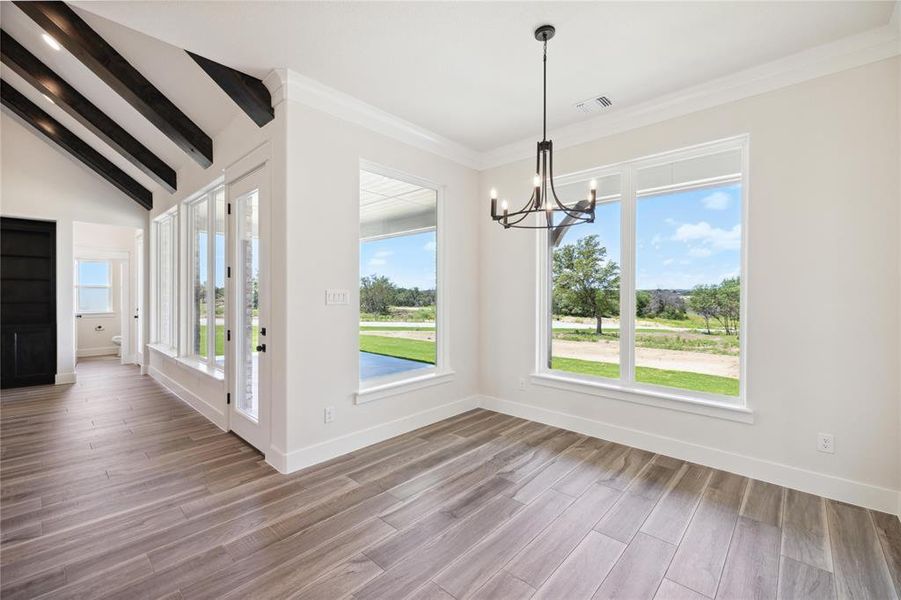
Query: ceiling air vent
(593,105)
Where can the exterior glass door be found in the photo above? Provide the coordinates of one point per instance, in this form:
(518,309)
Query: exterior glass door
(249,285)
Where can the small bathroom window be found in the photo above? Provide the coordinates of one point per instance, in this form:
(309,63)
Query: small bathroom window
(93,287)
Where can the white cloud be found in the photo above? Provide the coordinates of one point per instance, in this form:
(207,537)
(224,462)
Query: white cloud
(716,201)
(380,258)
(714,238)
(700,252)
(668,262)
(430,246)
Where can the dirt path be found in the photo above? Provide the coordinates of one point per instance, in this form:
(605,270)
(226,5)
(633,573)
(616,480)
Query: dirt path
(606,351)
(673,360)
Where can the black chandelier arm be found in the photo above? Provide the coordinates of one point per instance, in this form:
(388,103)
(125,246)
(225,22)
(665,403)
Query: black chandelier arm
(562,206)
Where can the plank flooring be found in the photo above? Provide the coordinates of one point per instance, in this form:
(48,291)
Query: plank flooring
(113,488)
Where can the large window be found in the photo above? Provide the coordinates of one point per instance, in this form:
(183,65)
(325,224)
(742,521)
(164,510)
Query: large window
(398,277)
(165,267)
(206,278)
(93,286)
(649,296)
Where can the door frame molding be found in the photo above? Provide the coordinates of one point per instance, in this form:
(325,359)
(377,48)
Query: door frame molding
(258,159)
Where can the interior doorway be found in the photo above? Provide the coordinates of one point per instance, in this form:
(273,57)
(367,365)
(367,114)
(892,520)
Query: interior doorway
(107,283)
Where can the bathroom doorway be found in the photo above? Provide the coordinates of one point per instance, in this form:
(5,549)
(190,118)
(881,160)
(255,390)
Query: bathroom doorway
(106,290)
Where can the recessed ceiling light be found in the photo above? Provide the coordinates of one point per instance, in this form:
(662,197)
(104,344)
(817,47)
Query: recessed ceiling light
(51,42)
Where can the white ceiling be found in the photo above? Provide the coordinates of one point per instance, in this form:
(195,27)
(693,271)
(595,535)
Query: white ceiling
(470,71)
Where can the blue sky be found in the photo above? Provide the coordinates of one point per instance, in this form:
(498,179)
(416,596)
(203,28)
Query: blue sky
(408,261)
(682,239)
(220,252)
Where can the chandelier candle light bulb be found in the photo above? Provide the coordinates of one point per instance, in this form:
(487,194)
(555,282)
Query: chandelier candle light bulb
(544,201)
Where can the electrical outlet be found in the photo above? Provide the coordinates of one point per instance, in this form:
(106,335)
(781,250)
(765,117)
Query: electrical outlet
(329,414)
(522,383)
(826,443)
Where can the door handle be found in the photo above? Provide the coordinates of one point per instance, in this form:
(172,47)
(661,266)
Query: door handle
(261,348)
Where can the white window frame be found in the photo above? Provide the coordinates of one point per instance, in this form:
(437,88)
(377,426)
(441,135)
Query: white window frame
(185,350)
(169,220)
(626,388)
(391,385)
(111,305)
(208,363)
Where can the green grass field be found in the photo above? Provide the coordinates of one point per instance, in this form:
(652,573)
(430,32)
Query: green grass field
(220,338)
(393,328)
(418,350)
(423,351)
(711,384)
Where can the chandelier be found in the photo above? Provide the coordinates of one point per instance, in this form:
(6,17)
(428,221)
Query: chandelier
(544,200)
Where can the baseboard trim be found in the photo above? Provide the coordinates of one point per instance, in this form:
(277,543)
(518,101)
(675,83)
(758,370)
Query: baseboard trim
(102,351)
(323,451)
(190,398)
(65,378)
(828,486)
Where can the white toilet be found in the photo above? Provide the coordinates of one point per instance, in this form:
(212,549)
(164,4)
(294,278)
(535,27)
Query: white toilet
(117,341)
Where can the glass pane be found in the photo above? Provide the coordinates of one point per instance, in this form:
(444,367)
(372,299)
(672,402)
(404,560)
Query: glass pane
(585,270)
(93,300)
(219,279)
(688,261)
(199,277)
(398,276)
(248,270)
(164,269)
(93,272)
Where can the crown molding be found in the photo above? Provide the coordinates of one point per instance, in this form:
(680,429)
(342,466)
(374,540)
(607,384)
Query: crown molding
(284,84)
(853,51)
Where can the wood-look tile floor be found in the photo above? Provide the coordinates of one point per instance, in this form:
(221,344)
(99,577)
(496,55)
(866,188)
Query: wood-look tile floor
(112,488)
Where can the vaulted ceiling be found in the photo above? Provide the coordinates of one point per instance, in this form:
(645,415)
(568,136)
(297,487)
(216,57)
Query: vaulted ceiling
(177,77)
(471,71)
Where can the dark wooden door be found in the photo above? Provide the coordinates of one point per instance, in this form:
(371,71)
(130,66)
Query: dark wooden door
(27,302)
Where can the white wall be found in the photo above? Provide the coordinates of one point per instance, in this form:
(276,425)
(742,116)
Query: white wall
(316,232)
(823,320)
(41,182)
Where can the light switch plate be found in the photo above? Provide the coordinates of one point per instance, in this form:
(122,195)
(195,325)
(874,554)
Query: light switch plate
(337,297)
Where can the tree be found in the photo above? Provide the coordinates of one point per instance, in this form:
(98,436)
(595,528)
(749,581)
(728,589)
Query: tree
(642,302)
(704,302)
(586,283)
(728,302)
(376,294)
(667,304)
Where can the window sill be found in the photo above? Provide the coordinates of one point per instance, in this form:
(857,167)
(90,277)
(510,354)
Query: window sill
(164,350)
(394,388)
(647,397)
(202,367)
(188,362)
(97,315)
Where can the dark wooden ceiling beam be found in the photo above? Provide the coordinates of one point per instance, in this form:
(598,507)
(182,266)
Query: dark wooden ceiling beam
(248,92)
(74,34)
(31,69)
(50,128)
